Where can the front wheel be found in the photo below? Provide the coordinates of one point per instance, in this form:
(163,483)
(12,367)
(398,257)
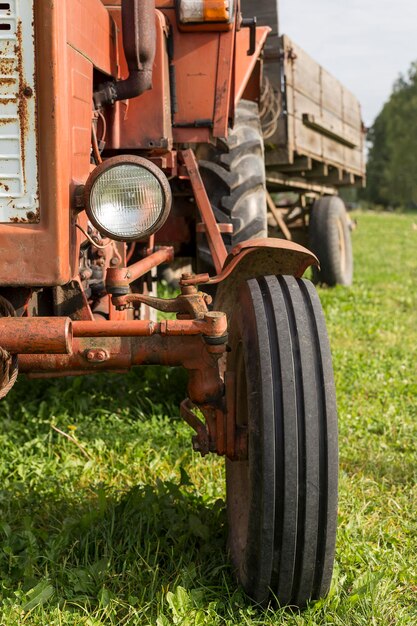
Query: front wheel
(282,500)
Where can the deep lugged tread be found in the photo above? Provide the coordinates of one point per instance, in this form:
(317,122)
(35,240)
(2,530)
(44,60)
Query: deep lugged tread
(233,172)
(288,358)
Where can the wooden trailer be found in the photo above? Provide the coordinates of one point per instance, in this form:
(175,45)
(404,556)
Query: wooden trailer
(319,135)
(314,145)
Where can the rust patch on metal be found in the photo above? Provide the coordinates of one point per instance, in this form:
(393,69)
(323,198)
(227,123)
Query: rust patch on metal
(25,91)
(32,217)
(6,67)
(35,88)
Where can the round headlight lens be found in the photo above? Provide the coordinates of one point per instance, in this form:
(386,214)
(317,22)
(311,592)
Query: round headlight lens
(128,200)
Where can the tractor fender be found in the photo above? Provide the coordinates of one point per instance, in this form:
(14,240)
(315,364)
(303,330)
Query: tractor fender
(255,258)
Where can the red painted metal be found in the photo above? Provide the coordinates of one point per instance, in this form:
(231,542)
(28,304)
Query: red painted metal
(223,228)
(219,433)
(78,49)
(64,78)
(96,42)
(144,121)
(222,104)
(203,101)
(213,325)
(189,303)
(123,353)
(198,101)
(294,259)
(205,386)
(121,277)
(246,64)
(269,242)
(163,255)
(201,442)
(129,328)
(190,134)
(215,241)
(36,335)
(178,230)
(54,335)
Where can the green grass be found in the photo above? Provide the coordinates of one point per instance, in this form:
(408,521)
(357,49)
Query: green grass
(130,529)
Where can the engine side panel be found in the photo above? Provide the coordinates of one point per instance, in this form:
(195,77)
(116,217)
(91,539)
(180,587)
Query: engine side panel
(44,252)
(143,122)
(19,194)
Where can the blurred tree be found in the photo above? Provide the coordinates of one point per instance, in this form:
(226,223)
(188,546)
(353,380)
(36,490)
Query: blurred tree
(392,159)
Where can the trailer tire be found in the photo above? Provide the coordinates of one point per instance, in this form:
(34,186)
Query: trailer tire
(233,172)
(282,501)
(330,240)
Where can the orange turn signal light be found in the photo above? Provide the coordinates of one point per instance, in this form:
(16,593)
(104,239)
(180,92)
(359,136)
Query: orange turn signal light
(216,11)
(205,11)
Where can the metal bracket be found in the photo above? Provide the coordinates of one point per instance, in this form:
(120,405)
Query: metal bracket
(223,228)
(214,238)
(191,303)
(219,433)
(201,441)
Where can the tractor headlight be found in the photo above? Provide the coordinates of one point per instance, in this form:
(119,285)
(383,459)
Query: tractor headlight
(127,198)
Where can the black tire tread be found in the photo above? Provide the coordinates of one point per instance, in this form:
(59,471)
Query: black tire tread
(233,173)
(292,339)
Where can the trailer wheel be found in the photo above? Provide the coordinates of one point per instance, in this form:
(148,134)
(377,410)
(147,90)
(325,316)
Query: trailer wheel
(330,240)
(233,172)
(282,501)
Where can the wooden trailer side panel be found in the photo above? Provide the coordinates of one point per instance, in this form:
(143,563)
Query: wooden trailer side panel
(320,120)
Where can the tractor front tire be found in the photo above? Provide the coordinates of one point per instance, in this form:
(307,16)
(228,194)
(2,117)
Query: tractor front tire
(282,500)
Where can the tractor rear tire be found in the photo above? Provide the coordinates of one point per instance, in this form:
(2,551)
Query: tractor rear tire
(233,172)
(330,240)
(282,500)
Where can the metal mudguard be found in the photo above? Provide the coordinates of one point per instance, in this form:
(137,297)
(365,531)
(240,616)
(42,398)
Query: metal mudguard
(255,258)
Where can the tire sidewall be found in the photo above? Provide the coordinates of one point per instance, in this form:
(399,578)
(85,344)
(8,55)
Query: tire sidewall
(328,222)
(254,563)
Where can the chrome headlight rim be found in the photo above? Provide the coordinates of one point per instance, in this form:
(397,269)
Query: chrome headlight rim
(117,161)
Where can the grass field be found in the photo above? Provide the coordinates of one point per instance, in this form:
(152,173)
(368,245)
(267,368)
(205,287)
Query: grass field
(128,527)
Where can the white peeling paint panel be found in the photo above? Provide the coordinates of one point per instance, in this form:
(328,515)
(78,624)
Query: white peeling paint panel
(19,198)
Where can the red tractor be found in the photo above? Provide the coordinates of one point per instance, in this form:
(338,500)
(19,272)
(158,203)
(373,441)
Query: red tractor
(131,136)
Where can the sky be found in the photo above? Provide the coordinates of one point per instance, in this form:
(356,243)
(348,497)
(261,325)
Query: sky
(366,44)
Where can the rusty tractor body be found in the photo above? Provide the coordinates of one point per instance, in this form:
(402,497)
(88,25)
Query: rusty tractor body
(116,117)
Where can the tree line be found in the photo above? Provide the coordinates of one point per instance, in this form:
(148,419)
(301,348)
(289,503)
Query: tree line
(392,157)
